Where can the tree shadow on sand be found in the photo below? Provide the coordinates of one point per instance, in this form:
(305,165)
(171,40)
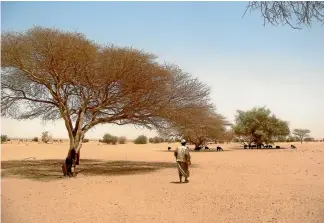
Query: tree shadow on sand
(46,170)
(201,151)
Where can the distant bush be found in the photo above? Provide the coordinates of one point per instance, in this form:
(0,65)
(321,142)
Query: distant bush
(109,139)
(4,138)
(122,140)
(309,139)
(46,137)
(85,140)
(292,139)
(142,139)
(35,139)
(156,139)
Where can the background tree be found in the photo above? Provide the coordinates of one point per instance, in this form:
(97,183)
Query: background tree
(142,139)
(4,138)
(309,139)
(46,137)
(50,74)
(109,139)
(156,139)
(228,136)
(197,126)
(122,140)
(258,125)
(293,13)
(301,133)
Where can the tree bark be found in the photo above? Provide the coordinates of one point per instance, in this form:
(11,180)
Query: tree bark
(77,136)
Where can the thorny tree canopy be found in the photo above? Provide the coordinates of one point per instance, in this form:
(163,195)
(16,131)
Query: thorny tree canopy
(301,133)
(258,125)
(198,126)
(52,74)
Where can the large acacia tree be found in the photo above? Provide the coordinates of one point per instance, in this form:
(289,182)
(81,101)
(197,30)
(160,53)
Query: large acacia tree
(51,74)
(258,125)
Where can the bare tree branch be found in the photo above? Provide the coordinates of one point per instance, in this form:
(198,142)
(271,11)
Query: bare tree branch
(283,12)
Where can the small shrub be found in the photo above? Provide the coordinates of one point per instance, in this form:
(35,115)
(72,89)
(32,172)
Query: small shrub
(309,139)
(35,139)
(4,138)
(122,140)
(292,139)
(114,140)
(142,139)
(85,140)
(110,139)
(156,139)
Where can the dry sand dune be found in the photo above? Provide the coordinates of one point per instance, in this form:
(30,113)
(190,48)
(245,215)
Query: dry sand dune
(136,183)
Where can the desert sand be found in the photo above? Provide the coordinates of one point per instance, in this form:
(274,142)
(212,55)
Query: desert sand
(138,183)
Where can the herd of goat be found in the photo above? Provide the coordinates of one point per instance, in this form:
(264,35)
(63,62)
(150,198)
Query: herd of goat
(261,145)
(258,146)
(199,148)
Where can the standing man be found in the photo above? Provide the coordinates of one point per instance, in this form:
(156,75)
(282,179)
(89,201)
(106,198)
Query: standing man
(183,160)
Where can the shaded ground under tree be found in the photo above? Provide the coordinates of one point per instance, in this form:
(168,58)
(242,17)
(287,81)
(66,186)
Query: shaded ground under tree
(47,170)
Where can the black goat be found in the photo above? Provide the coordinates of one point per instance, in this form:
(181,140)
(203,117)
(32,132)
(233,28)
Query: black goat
(218,148)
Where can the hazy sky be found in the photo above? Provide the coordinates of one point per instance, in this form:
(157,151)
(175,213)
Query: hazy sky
(245,63)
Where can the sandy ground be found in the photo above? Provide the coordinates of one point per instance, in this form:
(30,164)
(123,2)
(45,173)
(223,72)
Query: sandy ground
(232,186)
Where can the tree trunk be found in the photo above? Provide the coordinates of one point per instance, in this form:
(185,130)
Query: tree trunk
(76,144)
(77,136)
